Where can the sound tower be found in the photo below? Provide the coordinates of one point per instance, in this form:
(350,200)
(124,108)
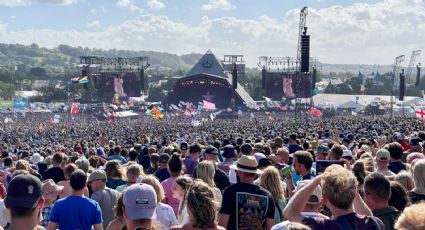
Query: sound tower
(84,73)
(142,79)
(263,78)
(314,79)
(402,86)
(305,53)
(418,75)
(234,77)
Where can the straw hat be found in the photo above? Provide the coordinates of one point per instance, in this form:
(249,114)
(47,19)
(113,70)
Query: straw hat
(246,164)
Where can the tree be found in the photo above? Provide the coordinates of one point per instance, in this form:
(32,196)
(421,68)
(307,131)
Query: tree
(7,90)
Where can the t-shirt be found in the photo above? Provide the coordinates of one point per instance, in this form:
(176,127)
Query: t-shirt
(169,199)
(107,199)
(162,174)
(385,172)
(190,164)
(388,216)
(54,173)
(282,225)
(121,159)
(354,220)
(415,197)
(247,205)
(114,183)
(165,216)
(76,212)
(397,166)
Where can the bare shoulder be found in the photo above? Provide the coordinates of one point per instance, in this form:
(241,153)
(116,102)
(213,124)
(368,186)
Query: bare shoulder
(178,227)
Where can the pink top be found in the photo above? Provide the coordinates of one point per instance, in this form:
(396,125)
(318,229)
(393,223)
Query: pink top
(169,199)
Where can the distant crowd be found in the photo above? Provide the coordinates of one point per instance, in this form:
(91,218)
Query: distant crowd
(260,171)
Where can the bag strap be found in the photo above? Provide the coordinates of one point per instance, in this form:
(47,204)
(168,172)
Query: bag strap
(276,204)
(375,222)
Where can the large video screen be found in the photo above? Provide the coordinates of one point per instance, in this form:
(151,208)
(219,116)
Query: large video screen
(280,85)
(125,85)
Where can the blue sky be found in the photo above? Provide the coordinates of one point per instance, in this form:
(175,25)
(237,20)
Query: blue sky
(367,32)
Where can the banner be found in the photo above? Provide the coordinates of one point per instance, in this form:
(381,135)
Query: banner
(209,105)
(20,103)
(6,103)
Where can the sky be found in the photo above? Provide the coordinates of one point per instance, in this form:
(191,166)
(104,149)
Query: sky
(342,32)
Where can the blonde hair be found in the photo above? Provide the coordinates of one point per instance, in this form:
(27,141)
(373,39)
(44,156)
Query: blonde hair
(202,204)
(368,162)
(412,218)
(22,165)
(159,190)
(418,176)
(405,178)
(339,186)
(206,172)
(270,180)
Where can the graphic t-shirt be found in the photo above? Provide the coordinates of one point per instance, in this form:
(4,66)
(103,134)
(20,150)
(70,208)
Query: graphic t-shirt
(248,206)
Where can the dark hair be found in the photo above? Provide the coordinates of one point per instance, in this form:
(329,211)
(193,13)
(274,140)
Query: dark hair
(117,150)
(175,165)
(8,162)
(133,155)
(337,149)
(399,198)
(293,137)
(78,180)
(69,169)
(359,171)
(57,158)
(378,186)
(421,134)
(305,158)
(21,212)
(395,149)
(195,148)
(4,154)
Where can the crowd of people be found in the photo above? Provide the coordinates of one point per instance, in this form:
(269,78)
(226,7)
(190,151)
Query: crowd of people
(255,172)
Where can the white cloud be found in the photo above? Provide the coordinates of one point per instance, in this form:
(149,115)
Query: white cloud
(15,3)
(155,4)
(12,17)
(217,4)
(129,4)
(93,24)
(358,33)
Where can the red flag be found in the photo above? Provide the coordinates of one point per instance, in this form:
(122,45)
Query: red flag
(75,110)
(315,112)
(52,122)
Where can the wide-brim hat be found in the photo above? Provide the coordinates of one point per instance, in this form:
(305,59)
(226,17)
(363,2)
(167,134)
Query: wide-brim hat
(50,189)
(36,157)
(246,164)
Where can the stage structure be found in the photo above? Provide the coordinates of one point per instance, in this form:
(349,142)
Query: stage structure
(214,81)
(290,77)
(116,77)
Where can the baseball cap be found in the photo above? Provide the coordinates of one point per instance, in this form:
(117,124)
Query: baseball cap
(24,191)
(321,149)
(140,202)
(164,158)
(97,175)
(183,146)
(211,150)
(382,155)
(316,196)
(347,153)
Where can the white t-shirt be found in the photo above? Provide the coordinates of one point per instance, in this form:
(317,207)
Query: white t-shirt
(385,172)
(282,225)
(165,215)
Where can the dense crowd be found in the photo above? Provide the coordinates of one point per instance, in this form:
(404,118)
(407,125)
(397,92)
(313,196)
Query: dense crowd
(257,172)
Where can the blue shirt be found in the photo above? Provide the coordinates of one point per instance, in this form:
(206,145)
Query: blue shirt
(119,158)
(76,212)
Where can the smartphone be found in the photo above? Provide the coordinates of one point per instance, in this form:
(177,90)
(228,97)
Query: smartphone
(321,165)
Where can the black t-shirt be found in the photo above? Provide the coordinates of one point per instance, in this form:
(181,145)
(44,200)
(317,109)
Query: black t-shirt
(221,180)
(54,173)
(248,206)
(397,166)
(294,148)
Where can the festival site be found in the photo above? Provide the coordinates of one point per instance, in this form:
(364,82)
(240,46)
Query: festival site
(212,114)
